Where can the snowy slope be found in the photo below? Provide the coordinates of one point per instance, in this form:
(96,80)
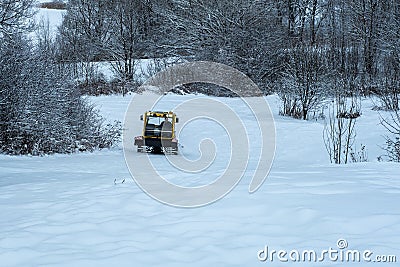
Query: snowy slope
(65,210)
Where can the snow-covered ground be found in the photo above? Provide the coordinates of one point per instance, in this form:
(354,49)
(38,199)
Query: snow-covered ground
(65,210)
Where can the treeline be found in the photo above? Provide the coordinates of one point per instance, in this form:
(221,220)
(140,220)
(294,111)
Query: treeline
(300,46)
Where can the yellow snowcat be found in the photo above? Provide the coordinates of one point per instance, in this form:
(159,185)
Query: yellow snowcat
(158,134)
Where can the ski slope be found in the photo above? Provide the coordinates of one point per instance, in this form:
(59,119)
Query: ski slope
(66,210)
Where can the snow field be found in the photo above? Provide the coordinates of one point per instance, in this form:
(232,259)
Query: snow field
(65,210)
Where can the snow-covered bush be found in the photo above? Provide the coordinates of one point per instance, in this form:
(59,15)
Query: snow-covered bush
(339,133)
(392,145)
(303,85)
(360,155)
(393,148)
(41,111)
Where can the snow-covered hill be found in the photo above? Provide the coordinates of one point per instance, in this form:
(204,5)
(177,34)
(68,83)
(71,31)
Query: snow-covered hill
(66,210)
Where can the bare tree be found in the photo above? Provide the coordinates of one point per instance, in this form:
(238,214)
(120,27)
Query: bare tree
(366,21)
(125,38)
(303,85)
(84,35)
(339,133)
(240,34)
(15,16)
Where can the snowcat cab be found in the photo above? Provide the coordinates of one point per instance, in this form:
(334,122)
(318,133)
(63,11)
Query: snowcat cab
(158,133)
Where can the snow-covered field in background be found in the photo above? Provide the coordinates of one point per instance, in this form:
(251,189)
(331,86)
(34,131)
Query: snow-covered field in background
(51,17)
(65,210)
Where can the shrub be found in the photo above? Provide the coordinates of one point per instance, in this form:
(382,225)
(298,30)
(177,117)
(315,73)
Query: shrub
(392,146)
(41,111)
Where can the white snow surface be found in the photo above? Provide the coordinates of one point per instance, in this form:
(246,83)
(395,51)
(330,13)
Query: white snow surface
(65,210)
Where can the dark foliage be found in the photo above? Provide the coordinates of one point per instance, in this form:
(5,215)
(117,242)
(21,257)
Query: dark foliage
(53,5)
